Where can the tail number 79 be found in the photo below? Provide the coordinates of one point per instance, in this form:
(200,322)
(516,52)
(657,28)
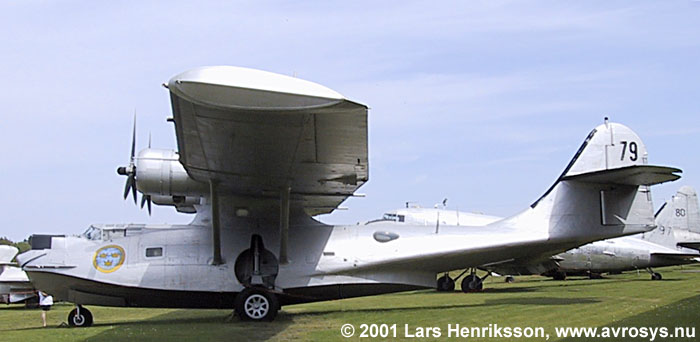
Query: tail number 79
(633,150)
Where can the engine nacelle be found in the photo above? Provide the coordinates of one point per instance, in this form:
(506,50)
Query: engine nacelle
(159,173)
(181,203)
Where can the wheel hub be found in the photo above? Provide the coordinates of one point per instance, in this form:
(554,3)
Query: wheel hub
(256,306)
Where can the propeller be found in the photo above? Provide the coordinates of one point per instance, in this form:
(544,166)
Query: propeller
(130,172)
(146,199)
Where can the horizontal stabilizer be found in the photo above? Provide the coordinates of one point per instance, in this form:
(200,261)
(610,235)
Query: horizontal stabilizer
(629,175)
(691,245)
(678,256)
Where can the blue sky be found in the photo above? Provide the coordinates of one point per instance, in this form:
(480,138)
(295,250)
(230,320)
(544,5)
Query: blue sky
(482,102)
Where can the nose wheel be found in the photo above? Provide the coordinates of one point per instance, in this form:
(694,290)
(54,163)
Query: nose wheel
(80,317)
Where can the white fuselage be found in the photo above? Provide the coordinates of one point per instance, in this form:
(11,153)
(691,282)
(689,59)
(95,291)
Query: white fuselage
(171,266)
(618,254)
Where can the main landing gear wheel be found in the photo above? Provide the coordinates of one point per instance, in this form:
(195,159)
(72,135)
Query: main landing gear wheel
(510,279)
(80,317)
(254,304)
(445,284)
(472,283)
(654,275)
(559,276)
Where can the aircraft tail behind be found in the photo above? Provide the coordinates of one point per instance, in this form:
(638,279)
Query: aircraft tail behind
(681,211)
(7,253)
(604,190)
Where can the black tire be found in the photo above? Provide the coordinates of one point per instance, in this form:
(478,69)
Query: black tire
(254,304)
(80,321)
(445,284)
(559,276)
(510,279)
(472,283)
(656,276)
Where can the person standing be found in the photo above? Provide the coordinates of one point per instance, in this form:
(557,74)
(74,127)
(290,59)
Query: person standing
(45,303)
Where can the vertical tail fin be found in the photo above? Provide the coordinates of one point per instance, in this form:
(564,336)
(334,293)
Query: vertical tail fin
(681,211)
(7,253)
(603,192)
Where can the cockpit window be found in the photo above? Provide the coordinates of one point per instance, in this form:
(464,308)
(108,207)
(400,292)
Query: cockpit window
(394,217)
(93,233)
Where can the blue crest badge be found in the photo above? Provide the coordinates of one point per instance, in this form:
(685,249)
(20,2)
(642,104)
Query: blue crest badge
(109,258)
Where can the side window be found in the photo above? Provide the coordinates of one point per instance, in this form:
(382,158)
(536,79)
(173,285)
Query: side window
(154,252)
(402,218)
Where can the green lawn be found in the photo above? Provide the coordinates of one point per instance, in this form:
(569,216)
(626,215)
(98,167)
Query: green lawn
(626,300)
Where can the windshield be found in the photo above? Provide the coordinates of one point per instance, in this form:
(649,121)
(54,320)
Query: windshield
(93,233)
(393,217)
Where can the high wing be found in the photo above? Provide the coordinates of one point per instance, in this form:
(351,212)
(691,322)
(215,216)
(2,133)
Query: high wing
(254,133)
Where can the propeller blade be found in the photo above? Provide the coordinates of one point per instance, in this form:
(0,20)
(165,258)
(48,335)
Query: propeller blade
(132,179)
(133,139)
(143,201)
(149,139)
(149,204)
(126,188)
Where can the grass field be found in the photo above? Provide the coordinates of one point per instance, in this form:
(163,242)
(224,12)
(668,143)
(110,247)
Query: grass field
(626,300)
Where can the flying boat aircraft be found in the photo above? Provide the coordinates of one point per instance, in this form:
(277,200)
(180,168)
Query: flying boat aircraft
(259,154)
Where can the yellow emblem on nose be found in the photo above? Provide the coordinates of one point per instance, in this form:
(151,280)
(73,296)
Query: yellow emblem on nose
(109,258)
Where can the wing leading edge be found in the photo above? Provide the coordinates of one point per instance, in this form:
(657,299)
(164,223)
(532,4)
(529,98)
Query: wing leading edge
(255,132)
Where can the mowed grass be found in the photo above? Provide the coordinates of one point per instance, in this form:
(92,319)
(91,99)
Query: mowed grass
(629,299)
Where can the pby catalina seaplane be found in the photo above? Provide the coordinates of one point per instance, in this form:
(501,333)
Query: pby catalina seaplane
(258,155)
(673,242)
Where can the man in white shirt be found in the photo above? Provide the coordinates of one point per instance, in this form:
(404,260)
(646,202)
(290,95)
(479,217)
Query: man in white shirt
(45,302)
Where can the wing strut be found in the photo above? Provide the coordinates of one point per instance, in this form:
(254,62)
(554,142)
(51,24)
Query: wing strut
(284,223)
(215,223)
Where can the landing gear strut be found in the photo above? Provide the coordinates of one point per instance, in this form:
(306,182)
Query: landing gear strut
(654,275)
(472,282)
(255,304)
(80,317)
